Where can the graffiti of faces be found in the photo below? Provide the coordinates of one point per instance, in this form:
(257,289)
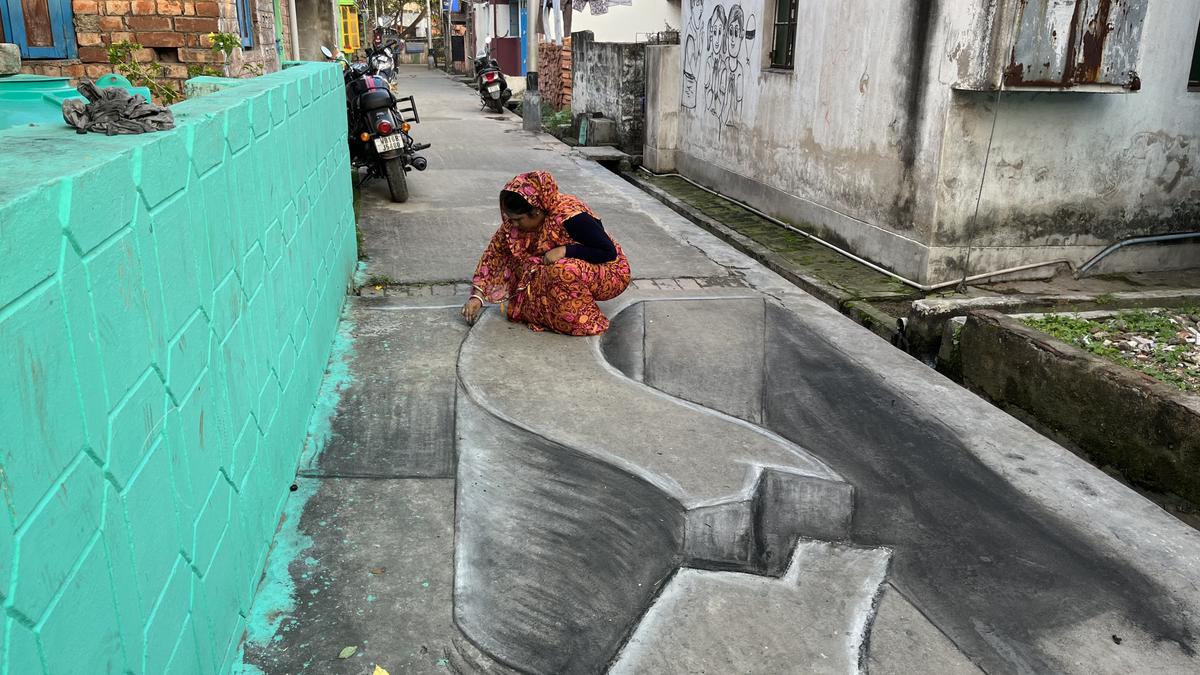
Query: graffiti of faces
(696,13)
(716,31)
(735,31)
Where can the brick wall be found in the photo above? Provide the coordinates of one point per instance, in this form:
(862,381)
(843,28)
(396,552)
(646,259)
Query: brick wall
(554,76)
(173,32)
(167,308)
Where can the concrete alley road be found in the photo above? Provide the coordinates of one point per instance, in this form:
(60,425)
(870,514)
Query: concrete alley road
(365,557)
(453,209)
(373,552)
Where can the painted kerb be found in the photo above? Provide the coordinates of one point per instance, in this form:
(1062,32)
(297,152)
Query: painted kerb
(167,306)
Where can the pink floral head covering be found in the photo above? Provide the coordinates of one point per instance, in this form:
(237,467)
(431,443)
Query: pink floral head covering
(512,251)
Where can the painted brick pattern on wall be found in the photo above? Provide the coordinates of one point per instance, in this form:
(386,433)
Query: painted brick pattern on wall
(167,306)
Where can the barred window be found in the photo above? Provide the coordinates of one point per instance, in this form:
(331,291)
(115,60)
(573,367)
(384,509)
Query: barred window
(783,38)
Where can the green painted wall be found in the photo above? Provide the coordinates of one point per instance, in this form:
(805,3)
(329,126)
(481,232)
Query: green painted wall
(167,306)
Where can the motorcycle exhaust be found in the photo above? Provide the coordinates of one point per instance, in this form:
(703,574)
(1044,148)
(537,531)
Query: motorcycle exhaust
(419,163)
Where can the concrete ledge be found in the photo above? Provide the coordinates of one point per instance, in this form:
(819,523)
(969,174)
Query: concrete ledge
(927,318)
(824,291)
(1148,430)
(850,304)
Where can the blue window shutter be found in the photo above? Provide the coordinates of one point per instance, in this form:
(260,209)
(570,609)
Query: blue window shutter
(245,23)
(62,29)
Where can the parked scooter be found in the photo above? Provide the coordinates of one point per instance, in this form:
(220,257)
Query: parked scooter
(379,127)
(493,89)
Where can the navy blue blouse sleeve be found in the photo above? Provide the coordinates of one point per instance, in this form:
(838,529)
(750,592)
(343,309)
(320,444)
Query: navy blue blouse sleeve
(593,243)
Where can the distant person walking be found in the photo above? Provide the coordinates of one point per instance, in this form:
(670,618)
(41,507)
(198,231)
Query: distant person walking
(549,262)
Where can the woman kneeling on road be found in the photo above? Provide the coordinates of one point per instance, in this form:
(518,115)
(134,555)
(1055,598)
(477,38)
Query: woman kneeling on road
(551,260)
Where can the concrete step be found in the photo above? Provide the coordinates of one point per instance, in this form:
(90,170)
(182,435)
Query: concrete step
(602,153)
(815,619)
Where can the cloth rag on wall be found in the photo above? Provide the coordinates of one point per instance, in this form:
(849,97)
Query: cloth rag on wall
(113,111)
(598,7)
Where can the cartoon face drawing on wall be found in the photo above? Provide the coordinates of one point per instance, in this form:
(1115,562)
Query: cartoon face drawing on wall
(696,14)
(735,31)
(716,31)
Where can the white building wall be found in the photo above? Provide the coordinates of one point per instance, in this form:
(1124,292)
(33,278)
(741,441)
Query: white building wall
(624,23)
(830,144)
(867,142)
(1070,173)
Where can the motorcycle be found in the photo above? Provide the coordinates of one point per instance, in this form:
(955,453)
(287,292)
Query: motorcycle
(493,88)
(381,60)
(379,123)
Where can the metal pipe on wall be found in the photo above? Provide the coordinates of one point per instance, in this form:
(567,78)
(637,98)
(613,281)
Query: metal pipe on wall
(908,282)
(1131,242)
(294,29)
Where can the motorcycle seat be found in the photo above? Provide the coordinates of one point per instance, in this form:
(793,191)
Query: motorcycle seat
(375,99)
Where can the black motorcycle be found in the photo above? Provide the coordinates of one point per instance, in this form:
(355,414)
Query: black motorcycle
(493,88)
(379,123)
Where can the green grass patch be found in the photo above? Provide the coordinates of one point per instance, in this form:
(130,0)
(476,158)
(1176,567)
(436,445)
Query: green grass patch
(1164,361)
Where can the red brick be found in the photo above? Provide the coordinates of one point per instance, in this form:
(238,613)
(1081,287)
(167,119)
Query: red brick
(189,8)
(200,56)
(119,37)
(175,70)
(160,39)
(89,39)
(116,7)
(75,70)
(94,70)
(144,7)
(208,9)
(196,24)
(85,6)
(170,7)
(93,54)
(111,23)
(149,23)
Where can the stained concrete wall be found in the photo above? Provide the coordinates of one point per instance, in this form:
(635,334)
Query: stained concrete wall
(867,143)
(610,78)
(167,307)
(662,107)
(1070,173)
(316,22)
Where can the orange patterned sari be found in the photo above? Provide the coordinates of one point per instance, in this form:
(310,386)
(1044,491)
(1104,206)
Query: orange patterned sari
(560,297)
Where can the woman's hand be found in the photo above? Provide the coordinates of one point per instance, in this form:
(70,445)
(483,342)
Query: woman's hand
(472,310)
(554,255)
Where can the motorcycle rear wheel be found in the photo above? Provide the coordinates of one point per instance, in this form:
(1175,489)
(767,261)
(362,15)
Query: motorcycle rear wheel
(397,179)
(495,105)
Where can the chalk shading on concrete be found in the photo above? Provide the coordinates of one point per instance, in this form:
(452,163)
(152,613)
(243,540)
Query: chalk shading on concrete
(396,418)
(812,620)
